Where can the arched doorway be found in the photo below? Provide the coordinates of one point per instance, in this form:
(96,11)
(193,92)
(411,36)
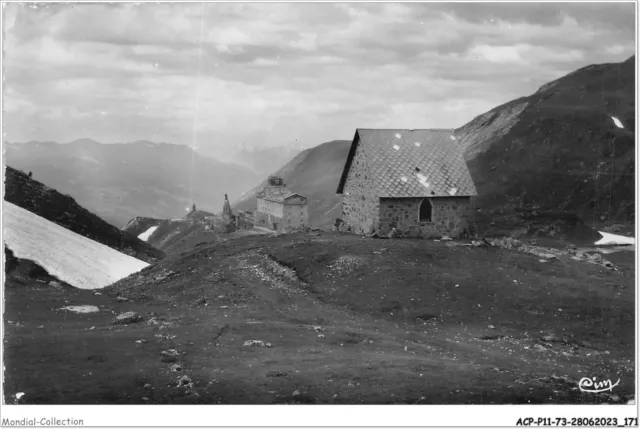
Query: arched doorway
(425,210)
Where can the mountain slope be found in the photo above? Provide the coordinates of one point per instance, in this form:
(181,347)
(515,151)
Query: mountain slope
(314,173)
(122,181)
(61,209)
(260,159)
(560,149)
(70,257)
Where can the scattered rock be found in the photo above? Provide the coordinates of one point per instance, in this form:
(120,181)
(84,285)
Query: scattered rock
(145,399)
(540,348)
(296,393)
(185,381)
(317,328)
(614,398)
(549,338)
(55,283)
(127,318)
(446,238)
(122,299)
(255,343)
(170,352)
(320,336)
(176,368)
(81,308)
(148,387)
(141,341)
(97,293)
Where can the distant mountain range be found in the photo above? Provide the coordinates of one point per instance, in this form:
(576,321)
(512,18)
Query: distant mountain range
(122,181)
(262,160)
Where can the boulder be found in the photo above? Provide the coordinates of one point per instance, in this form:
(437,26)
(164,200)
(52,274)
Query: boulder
(127,318)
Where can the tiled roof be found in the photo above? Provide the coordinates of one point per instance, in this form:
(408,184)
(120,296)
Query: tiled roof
(412,163)
(275,193)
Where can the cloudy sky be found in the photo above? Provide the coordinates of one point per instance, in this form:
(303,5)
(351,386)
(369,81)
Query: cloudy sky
(215,74)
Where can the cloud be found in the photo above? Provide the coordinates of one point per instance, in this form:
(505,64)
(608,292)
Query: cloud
(213,74)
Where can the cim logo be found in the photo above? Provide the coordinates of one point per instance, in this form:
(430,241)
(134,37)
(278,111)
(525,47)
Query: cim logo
(587,384)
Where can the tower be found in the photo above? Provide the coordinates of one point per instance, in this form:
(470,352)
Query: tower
(226,209)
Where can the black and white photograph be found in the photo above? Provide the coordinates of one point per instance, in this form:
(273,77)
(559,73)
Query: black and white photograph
(378,213)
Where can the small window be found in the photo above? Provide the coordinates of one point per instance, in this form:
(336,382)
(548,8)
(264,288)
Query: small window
(425,210)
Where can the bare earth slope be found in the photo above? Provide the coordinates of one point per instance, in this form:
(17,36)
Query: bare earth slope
(314,173)
(559,149)
(336,320)
(70,257)
(63,210)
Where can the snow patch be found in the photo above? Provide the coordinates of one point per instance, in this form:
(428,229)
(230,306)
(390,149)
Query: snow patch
(70,257)
(145,235)
(422,179)
(613,239)
(81,308)
(617,122)
(398,135)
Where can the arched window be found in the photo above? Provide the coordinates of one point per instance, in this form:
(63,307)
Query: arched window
(425,210)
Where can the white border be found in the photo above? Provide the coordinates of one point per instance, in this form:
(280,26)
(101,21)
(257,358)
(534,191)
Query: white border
(314,415)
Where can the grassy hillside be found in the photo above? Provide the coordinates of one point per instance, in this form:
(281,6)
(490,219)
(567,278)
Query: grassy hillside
(342,320)
(314,173)
(559,149)
(63,210)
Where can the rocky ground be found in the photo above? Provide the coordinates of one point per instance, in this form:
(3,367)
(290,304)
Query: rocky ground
(330,318)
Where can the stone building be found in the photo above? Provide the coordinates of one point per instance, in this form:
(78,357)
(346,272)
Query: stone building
(280,209)
(198,215)
(415,181)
